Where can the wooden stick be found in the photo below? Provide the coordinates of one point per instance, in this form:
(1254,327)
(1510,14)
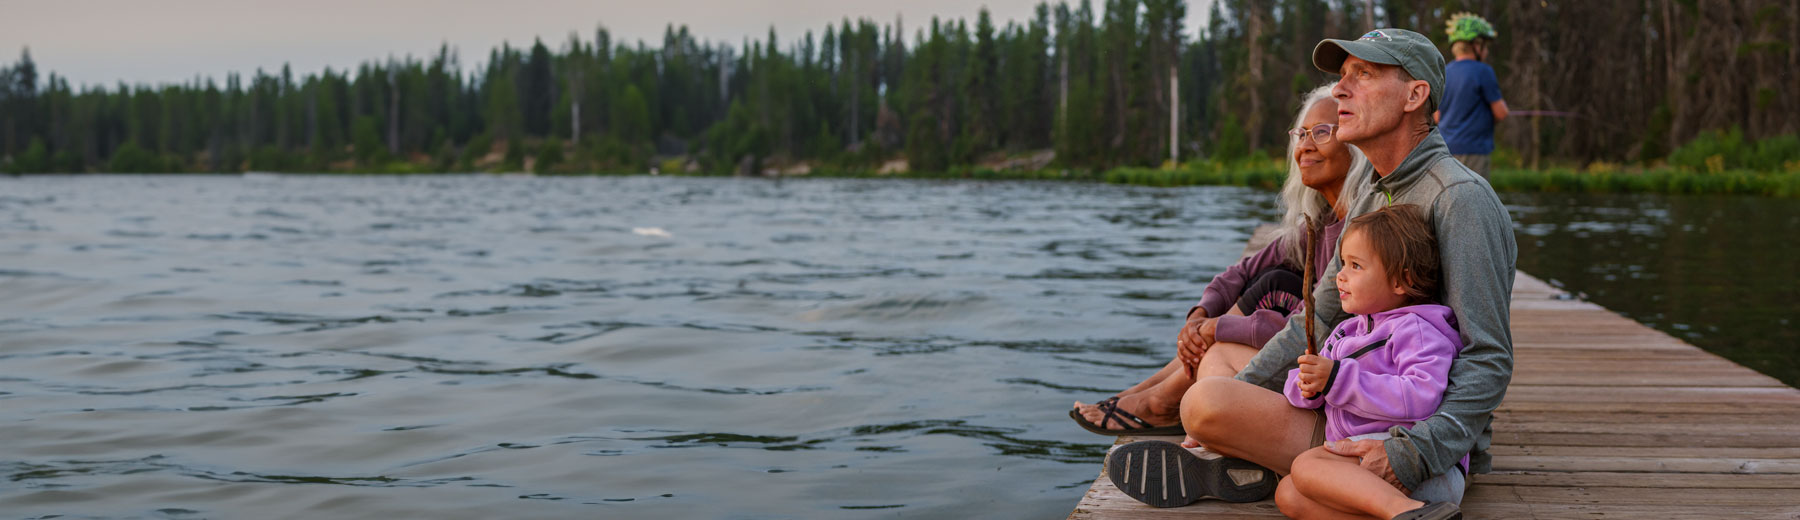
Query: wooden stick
(1307,284)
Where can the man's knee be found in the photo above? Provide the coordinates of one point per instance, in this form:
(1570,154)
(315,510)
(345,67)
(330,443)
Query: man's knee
(1205,405)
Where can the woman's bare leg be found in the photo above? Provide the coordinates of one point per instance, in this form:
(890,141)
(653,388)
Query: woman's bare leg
(1093,414)
(1158,399)
(1339,483)
(1167,370)
(1171,368)
(1224,360)
(1160,404)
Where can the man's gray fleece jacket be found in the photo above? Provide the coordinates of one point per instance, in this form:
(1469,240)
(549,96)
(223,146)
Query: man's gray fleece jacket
(1475,239)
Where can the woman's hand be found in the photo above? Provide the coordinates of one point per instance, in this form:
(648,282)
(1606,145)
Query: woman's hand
(1314,372)
(1191,345)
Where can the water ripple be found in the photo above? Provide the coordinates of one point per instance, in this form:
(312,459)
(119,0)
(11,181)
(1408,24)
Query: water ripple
(332,339)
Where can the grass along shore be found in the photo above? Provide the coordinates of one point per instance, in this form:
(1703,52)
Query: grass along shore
(1269,175)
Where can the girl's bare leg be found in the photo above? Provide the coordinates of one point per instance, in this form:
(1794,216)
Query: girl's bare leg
(1339,483)
(1296,505)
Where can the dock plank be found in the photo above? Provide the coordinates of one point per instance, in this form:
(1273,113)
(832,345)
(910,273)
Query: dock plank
(1605,418)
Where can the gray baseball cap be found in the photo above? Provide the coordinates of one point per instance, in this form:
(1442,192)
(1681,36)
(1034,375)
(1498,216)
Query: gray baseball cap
(1410,50)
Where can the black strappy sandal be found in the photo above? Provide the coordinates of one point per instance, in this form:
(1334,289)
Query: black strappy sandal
(1131,424)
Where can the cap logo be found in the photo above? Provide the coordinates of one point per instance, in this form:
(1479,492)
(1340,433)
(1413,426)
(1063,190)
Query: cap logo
(1376,34)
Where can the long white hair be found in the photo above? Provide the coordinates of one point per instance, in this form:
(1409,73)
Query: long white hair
(1300,202)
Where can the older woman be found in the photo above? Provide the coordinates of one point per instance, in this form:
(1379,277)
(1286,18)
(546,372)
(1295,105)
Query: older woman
(1250,301)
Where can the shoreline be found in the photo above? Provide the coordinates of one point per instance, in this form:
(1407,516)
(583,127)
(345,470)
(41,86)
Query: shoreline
(1662,181)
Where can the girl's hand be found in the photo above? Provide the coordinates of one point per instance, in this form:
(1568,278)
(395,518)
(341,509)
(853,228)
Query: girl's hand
(1314,372)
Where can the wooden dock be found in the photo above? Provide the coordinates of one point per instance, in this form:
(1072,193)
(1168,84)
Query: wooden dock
(1605,418)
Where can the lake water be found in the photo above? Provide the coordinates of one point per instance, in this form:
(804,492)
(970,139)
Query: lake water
(1722,273)
(645,347)
(620,347)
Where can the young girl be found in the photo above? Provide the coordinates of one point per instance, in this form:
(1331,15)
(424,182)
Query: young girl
(1385,367)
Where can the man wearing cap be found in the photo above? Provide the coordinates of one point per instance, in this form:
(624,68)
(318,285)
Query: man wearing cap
(1392,81)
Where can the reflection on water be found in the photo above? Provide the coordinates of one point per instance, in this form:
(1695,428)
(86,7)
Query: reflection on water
(478,347)
(1718,272)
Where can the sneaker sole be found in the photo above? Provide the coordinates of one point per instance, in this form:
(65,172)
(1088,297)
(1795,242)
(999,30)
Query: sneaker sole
(1164,474)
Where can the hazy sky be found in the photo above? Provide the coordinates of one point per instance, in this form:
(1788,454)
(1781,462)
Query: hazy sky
(104,42)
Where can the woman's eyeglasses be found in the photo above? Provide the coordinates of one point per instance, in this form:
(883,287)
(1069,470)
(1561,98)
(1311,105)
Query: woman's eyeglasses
(1320,134)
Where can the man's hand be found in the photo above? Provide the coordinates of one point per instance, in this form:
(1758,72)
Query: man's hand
(1192,345)
(1372,456)
(1314,372)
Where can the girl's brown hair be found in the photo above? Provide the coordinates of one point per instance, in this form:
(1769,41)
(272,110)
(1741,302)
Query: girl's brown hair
(1406,246)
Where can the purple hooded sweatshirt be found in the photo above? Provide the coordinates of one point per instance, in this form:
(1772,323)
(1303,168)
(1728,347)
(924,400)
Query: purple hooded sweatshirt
(1392,368)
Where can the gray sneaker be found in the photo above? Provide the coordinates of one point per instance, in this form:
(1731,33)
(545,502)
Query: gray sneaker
(1164,474)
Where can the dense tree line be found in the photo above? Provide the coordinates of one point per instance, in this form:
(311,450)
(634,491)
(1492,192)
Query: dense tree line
(1102,87)
(1623,80)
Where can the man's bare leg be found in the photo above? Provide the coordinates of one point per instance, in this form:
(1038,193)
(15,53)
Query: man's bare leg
(1238,419)
(1222,360)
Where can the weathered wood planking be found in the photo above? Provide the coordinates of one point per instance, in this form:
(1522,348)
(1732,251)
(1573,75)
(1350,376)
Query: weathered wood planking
(1605,418)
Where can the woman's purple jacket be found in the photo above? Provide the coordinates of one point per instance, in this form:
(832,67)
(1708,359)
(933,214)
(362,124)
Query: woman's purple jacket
(1256,328)
(1391,370)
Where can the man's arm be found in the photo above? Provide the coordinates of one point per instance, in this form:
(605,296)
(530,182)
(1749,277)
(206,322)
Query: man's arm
(1475,238)
(1270,366)
(1499,109)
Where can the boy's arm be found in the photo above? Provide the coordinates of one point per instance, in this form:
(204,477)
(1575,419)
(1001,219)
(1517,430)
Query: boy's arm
(1498,107)
(1491,92)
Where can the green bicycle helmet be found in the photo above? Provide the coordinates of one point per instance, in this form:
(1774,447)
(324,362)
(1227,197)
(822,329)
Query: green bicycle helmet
(1468,27)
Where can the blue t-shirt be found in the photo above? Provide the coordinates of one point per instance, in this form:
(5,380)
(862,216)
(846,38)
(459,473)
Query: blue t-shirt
(1465,119)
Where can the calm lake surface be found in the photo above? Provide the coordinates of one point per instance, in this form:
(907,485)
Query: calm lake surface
(620,347)
(642,347)
(1722,273)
